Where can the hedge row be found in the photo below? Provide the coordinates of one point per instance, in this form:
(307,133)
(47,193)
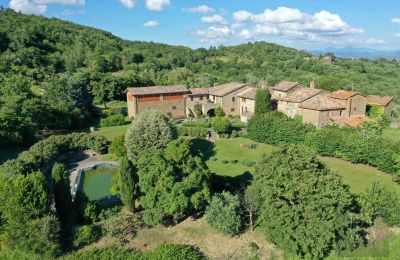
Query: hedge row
(196,132)
(113,120)
(197,124)
(364,145)
(42,153)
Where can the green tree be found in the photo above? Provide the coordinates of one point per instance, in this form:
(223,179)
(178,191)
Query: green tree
(127,183)
(173,183)
(62,190)
(303,200)
(262,102)
(219,112)
(224,213)
(152,130)
(117,146)
(221,125)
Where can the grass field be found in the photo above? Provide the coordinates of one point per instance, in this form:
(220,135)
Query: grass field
(392,134)
(358,176)
(112,131)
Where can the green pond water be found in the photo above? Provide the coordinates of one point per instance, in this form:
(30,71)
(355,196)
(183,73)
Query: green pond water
(97,183)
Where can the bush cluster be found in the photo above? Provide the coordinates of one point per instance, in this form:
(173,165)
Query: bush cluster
(42,153)
(113,120)
(221,125)
(197,124)
(196,132)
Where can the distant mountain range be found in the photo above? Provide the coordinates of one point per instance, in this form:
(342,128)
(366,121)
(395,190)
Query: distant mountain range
(354,52)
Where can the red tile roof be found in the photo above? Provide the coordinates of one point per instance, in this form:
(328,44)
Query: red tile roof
(322,102)
(343,94)
(142,91)
(380,100)
(249,94)
(225,89)
(286,86)
(352,121)
(301,95)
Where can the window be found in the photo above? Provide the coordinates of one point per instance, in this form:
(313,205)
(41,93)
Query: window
(173,107)
(232,110)
(201,97)
(243,100)
(213,97)
(191,98)
(233,99)
(354,109)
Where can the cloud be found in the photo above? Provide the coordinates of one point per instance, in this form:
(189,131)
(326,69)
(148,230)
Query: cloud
(293,24)
(128,3)
(214,34)
(245,34)
(201,9)
(157,5)
(374,41)
(27,7)
(242,16)
(397,35)
(151,24)
(62,2)
(396,21)
(68,12)
(217,19)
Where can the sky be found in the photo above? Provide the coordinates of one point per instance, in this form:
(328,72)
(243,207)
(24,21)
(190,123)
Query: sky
(302,24)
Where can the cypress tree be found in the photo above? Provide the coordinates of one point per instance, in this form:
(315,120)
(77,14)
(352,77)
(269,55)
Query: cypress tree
(128,183)
(263,102)
(62,190)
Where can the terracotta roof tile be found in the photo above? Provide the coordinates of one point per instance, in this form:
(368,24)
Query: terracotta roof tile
(286,86)
(322,102)
(380,100)
(158,90)
(301,95)
(249,94)
(343,94)
(225,89)
(352,121)
(198,91)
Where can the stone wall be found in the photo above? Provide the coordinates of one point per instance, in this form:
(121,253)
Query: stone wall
(357,105)
(318,118)
(246,105)
(175,106)
(230,102)
(290,109)
(192,100)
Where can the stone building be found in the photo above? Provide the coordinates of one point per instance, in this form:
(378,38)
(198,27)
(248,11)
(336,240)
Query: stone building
(386,102)
(169,99)
(225,96)
(355,103)
(197,96)
(289,104)
(247,104)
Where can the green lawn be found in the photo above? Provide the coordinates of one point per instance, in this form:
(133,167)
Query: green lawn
(358,176)
(112,131)
(392,134)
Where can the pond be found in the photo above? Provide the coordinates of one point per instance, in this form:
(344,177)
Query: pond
(97,183)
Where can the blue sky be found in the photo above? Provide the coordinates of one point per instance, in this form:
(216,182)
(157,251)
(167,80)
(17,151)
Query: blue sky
(303,24)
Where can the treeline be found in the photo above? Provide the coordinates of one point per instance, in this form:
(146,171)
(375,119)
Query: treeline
(64,67)
(362,145)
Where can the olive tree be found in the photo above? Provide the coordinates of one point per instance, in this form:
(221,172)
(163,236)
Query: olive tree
(152,130)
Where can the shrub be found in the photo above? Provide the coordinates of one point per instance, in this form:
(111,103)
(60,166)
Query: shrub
(171,251)
(120,226)
(91,212)
(238,125)
(386,203)
(197,124)
(197,132)
(248,163)
(221,125)
(252,146)
(198,110)
(117,146)
(224,213)
(219,112)
(234,134)
(85,235)
(234,161)
(225,161)
(113,120)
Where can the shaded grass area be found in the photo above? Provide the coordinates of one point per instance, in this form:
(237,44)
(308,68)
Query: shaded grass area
(112,131)
(392,134)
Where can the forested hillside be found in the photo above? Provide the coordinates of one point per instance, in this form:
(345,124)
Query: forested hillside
(51,71)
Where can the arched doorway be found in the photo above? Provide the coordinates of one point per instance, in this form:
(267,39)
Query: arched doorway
(211,112)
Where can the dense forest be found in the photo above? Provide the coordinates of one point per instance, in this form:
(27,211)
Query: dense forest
(51,71)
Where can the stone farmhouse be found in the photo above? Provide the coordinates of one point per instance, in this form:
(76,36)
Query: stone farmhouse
(315,106)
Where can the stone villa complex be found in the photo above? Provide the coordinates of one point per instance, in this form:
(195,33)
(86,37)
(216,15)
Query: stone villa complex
(315,106)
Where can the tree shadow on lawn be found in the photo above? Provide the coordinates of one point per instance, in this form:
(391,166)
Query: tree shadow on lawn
(203,147)
(228,183)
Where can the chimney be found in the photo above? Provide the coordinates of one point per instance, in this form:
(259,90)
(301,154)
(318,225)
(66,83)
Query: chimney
(264,85)
(312,84)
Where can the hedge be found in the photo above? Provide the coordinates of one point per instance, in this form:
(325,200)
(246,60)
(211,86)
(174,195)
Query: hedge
(42,153)
(197,124)
(196,132)
(113,120)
